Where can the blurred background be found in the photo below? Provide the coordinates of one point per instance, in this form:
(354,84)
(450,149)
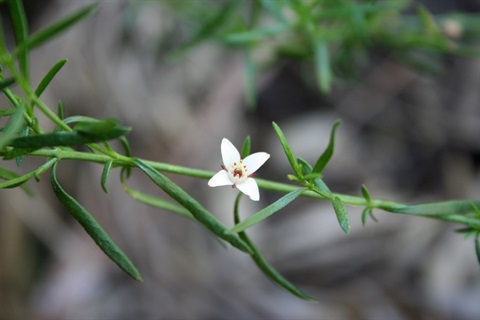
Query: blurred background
(410,135)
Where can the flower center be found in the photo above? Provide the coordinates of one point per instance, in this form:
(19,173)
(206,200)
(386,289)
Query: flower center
(237,173)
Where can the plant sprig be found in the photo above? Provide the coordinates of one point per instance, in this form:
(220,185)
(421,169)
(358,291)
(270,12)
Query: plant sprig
(24,136)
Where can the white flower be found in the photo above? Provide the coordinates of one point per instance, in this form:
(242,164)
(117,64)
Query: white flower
(237,172)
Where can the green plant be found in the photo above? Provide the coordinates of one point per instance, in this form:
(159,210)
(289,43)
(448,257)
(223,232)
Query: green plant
(334,37)
(23,136)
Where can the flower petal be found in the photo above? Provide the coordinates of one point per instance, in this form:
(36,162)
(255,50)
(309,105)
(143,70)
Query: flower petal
(229,153)
(220,179)
(255,161)
(250,188)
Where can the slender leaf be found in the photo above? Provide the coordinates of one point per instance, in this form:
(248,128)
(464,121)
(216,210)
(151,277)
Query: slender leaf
(267,211)
(10,175)
(84,133)
(15,182)
(246,147)
(328,153)
(75,119)
(342,214)
(264,265)
(49,76)
(427,20)
(7,112)
(249,66)
(6,83)
(210,26)
(322,65)
(105,174)
(249,37)
(305,166)
(93,228)
(157,202)
(126,146)
(366,194)
(108,129)
(20,26)
(368,212)
(53,30)
(320,184)
(437,208)
(287,149)
(60,110)
(14,125)
(201,214)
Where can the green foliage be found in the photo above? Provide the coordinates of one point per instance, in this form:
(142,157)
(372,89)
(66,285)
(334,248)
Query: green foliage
(262,262)
(342,214)
(334,36)
(328,153)
(49,77)
(323,31)
(267,211)
(246,147)
(193,206)
(93,228)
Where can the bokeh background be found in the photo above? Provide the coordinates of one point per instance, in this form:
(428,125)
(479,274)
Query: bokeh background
(409,136)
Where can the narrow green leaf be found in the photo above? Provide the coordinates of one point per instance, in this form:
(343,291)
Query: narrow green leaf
(250,37)
(7,112)
(84,132)
(24,145)
(20,26)
(437,208)
(60,110)
(264,265)
(322,65)
(328,153)
(306,167)
(477,246)
(249,67)
(75,119)
(93,228)
(14,125)
(366,194)
(365,213)
(6,83)
(126,146)
(101,130)
(427,21)
(208,29)
(49,76)
(287,149)
(320,184)
(10,175)
(53,30)
(368,212)
(201,214)
(246,147)
(267,211)
(157,202)
(342,214)
(105,174)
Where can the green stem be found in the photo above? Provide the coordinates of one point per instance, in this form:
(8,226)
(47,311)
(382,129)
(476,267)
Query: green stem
(123,161)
